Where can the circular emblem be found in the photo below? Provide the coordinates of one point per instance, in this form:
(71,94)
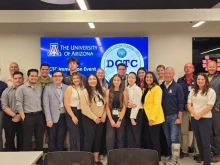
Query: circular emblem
(121,53)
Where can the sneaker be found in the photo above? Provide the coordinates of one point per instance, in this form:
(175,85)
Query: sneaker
(182,155)
(215,158)
(98,163)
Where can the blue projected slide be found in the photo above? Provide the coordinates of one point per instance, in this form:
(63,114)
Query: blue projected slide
(95,52)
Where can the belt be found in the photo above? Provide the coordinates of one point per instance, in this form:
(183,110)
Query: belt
(34,113)
(62,114)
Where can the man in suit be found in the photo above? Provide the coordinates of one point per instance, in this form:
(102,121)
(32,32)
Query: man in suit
(55,112)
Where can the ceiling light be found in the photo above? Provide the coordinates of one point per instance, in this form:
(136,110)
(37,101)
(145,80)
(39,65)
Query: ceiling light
(59,2)
(91,25)
(210,50)
(82,4)
(198,24)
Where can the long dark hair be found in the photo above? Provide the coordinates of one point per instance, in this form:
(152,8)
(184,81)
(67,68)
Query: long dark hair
(112,90)
(138,81)
(89,89)
(155,82)
(206,87)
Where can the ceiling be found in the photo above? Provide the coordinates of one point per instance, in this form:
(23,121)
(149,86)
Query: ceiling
(109,4)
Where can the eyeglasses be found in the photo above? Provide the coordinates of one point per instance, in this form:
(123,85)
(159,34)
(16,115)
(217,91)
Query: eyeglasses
(57,76)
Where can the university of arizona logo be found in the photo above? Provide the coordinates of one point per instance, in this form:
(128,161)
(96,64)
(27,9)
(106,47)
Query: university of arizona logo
(54,50)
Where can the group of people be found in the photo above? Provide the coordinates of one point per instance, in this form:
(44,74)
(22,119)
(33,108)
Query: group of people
(135,110)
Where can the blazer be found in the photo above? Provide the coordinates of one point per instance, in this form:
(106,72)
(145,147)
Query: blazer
(51,102)
(152,105)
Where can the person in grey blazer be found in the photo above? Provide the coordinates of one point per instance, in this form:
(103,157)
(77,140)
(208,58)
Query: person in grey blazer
(55,112)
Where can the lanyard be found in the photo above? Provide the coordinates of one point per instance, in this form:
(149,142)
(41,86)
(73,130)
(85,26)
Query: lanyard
(97,95)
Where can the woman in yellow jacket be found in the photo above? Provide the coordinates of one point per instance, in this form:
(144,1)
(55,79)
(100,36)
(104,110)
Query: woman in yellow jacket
(153,117)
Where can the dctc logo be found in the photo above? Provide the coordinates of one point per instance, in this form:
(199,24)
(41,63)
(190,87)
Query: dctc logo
(121,53)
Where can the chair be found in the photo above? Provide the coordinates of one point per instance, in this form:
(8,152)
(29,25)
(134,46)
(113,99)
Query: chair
(69,158)
(132,156)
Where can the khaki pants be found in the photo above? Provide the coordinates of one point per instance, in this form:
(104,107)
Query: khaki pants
(186,119)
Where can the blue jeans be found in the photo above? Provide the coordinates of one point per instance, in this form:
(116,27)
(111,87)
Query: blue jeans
(1,127)
(171,130)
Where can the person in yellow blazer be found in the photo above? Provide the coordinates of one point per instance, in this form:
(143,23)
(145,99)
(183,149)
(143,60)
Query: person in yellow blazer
(153,116)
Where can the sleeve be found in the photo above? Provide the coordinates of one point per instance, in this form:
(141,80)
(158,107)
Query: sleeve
(5,100)
(137,100)
(84,104)
(19,99)
(46,104)
(211,96)
(180,98)
(157,97)
(190,97)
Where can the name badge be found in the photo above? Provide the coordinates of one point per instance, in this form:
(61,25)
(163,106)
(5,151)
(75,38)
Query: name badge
(189,88)
(61,105)
(99,104)
(115,112)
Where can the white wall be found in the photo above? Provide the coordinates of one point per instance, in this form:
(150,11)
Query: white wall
(168,48)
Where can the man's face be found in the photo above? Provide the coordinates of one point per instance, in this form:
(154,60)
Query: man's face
(169,75)
(73,66)
(188,68)
(18,80)
(212,68)
(122,71)
(44,71)
(57,77)
(13,68)
(32,78)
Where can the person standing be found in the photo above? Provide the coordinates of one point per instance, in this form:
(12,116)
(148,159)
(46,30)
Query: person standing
(3,86)
(201,100)
(153,116)
(187,82)
(214,79)
(54,110)
(173,105)
(141,73)
(12,119)
(44,79)
(160,72)
(134,112)
(28,104)
(92,102)
(74,114)
(116,103)
(13,67)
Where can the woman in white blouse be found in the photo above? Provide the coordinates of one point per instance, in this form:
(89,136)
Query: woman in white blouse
(201,100)
(134,113)
(73,115)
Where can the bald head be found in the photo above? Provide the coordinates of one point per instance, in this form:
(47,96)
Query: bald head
(13,67)
(189,69)
(212,67)
(169,74)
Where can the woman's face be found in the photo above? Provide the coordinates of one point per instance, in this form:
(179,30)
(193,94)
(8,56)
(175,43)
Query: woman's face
(116,81)
(160,72)
(141,74)
(100,74)
(149,79)
(201,81)
(76,80)
(131,79)
(92,81)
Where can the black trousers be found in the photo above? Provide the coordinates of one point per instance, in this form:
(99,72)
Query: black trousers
(12,129)
(34,123)
(103,149)
(215,136)
(115,135)
(75,131)
(134,132)
(93,134)
(151,136)
(57,134)
(202,130)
